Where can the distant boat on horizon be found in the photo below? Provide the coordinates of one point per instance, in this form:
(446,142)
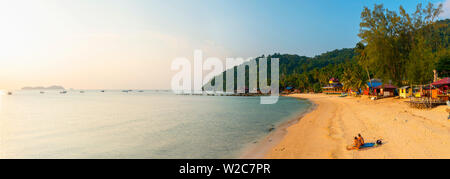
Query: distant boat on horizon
(63,92)
(42,92)
(81,91)
(102,91)
(9,93)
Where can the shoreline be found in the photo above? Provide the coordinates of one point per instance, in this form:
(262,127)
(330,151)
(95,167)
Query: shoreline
(263,146)
(326,131)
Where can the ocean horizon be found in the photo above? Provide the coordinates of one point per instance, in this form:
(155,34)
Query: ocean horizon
(146,124)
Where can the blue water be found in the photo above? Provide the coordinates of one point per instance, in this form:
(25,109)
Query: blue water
(135,125)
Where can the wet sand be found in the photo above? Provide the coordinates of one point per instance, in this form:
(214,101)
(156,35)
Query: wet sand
(261,148)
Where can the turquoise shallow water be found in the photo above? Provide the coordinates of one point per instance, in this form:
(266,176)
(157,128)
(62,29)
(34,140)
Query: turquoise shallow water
(135,125)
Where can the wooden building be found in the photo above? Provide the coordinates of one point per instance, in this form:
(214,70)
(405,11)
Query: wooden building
(441,89)
(405,92)
(373,83)
(386,90)
(333,87)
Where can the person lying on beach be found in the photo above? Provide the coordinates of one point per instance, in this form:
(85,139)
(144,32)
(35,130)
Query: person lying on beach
(360,139)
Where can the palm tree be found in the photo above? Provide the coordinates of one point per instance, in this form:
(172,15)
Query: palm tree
(362,59)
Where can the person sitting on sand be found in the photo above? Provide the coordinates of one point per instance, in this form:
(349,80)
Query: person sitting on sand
(356,144)
(360,139)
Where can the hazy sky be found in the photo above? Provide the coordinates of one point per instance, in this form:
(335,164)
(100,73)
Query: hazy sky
(130,44)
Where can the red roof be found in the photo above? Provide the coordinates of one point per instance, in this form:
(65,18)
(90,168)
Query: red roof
(443,81)
(386,86)
(334,79)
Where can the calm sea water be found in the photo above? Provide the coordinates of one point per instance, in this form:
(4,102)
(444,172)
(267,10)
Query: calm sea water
(135,125)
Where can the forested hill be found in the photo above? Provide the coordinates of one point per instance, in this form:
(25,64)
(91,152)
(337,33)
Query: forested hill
(290,64)
(306,73)
(309,74)
(405,58)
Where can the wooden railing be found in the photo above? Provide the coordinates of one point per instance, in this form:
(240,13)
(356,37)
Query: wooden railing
(425,102)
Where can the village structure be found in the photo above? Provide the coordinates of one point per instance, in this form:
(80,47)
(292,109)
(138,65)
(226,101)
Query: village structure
(419,95)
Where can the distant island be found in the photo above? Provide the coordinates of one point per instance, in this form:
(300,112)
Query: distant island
(54,87)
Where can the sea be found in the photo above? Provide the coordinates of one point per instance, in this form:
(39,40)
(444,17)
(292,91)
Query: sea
(136,124)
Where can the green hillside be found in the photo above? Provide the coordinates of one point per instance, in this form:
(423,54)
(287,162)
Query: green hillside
(401,48)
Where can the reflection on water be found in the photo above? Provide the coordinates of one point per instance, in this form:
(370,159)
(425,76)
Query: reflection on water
(135,124)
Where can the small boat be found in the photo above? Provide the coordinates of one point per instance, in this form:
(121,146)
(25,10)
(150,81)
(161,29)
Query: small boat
(63,92)
(102,91)
(42,92)
(81,91)
(9,93)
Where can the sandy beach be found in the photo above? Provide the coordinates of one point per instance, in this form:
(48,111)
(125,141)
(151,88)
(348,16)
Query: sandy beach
(330,127)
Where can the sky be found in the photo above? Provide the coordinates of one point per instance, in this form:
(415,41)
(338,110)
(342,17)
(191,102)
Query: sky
(130,44)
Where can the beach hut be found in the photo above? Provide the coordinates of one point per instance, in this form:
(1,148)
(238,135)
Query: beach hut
(405,92)
(417,91)
(334,87)
(441,90)
(431,95)
(386,90)
(371,85)
(287,90)
(442,85)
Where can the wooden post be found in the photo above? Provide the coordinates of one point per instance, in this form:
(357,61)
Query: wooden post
(370,81)
(431,94)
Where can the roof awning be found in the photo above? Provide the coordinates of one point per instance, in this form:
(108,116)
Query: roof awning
(444,81)
(404,87)
(374,84)
(387,86)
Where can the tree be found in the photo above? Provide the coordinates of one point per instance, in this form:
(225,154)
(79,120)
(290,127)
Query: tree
(443,64)
(392,41)
(354,77)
